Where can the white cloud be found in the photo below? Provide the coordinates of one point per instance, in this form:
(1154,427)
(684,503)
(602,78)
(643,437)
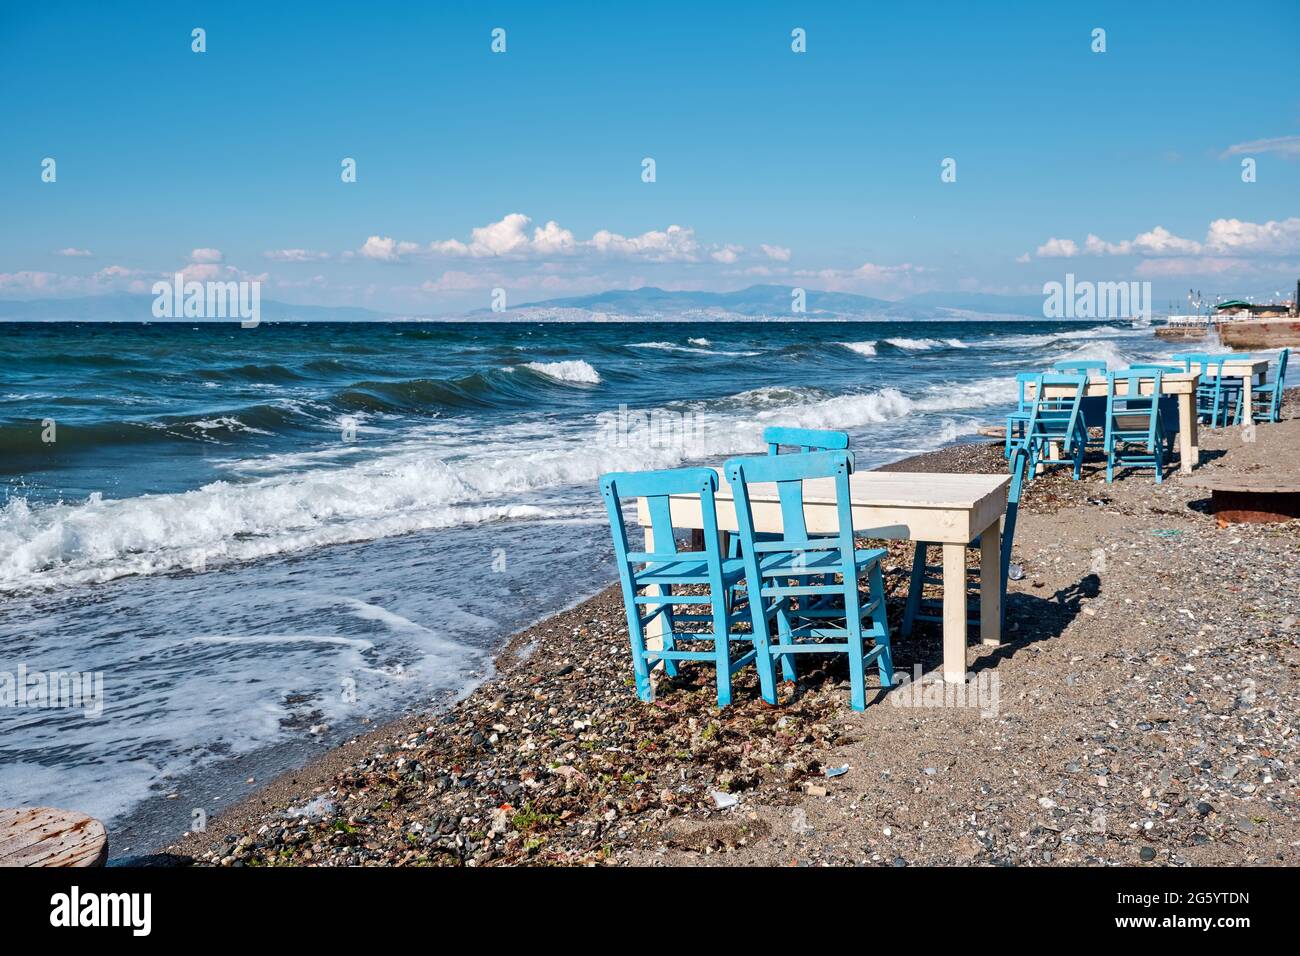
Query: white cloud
(295,255)
(779,253)
(1282,145)
(1022,258)
(510,238)
(727,254)
(386,250)
(206,255)
(74,253)
(1233,237)
(674,244)
(1058,249)
(1269,238)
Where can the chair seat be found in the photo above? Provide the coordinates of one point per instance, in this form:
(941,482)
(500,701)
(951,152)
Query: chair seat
(689,570)
(816,562)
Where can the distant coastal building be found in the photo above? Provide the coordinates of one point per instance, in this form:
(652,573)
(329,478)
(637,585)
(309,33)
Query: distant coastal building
(1240,323)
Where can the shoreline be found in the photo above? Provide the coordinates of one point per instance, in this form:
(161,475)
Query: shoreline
(552,760)
(320,770)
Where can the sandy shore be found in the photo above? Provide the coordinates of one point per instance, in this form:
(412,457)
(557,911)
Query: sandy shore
(1144,713)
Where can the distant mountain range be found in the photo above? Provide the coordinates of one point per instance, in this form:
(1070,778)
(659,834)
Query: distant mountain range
(125,307)
(764,301)
(645,304)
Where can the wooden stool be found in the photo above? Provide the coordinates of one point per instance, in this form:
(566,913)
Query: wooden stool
(43,836)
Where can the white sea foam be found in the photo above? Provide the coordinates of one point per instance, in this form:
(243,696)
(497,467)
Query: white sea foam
(925,345)
(569,370)
(432,480)
(701,347)
(862,348)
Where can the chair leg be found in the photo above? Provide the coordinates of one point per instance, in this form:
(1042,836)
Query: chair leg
(670,644)
(722,650)
(784,638)
(857,668)
(762,648)
(914,587)
(880,627)
(640,670)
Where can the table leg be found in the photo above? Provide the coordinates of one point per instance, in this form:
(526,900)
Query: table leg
(1247,413)
(1189,452)
(991,584)
(954,613)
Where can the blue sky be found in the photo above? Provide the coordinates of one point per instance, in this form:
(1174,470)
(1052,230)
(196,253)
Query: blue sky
(819,169)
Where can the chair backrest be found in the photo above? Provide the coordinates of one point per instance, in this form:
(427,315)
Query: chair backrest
(1057,417)
(655,487)
(1084,366)
(1211,365)
(789,472)
(1023,379)
(1133,403)
(805,439)
(1281,365)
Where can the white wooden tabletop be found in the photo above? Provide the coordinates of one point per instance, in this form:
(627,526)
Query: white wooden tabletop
(890,489)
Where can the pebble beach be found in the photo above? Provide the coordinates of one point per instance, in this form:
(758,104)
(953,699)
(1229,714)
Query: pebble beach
(1142,712)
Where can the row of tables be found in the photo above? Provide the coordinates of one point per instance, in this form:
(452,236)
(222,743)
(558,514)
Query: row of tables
(1181,386)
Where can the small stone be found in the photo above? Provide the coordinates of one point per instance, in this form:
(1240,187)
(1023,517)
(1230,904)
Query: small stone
(1147,854)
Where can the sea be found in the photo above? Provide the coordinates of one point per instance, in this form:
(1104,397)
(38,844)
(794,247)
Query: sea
(263,541)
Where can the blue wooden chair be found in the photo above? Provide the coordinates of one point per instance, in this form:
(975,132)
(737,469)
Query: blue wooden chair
(1081,367)
(1019,419)
(1057,420)
(920,608)
(777,573)
(1218,399)
(1091,409)
(1266,398)
(1134,419)
(806,440)
(667,568)
(1168,403)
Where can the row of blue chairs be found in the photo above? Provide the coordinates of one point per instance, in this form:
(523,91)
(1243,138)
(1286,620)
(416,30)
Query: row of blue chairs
(1136,431)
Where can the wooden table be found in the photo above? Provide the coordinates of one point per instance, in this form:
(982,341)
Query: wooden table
(904,506)
(43,836)
(1179,385)
(1246,368)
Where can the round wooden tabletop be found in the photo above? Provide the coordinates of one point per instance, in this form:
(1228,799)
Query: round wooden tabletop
(44,836)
